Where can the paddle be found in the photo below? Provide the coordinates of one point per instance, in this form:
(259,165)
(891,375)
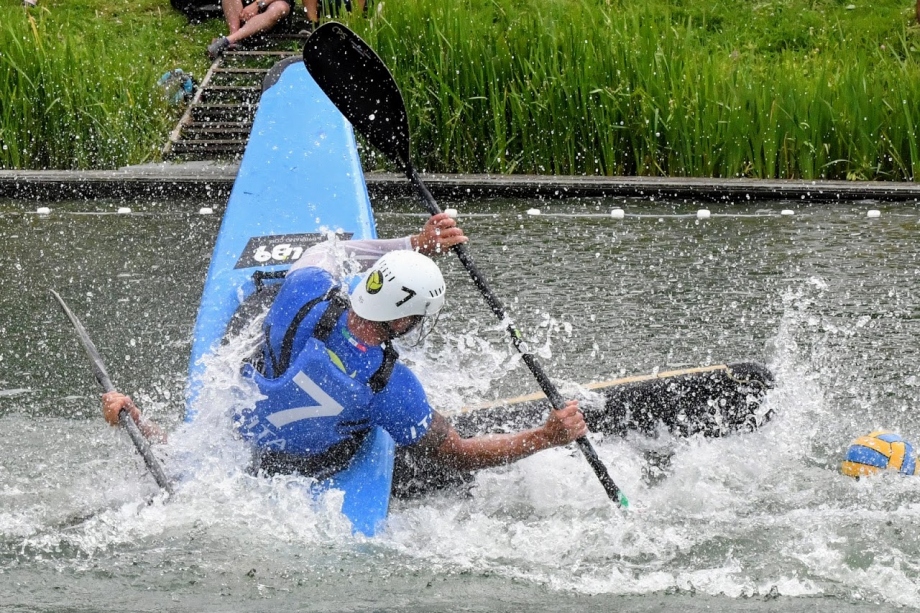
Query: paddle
(140,443)
(362,88)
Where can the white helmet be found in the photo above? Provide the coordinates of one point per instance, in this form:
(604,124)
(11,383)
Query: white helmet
(400,284)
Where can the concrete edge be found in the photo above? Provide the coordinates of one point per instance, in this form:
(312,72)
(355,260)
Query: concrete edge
(207,181)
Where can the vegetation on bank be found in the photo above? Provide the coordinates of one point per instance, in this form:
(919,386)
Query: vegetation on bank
(771,88)
(78,80)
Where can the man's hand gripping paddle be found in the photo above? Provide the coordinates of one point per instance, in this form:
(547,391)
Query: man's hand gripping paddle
(364,91)
(140,443)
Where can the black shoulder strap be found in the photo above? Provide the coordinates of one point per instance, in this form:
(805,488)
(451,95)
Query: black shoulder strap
(379,379)
(281,363)
(338,304)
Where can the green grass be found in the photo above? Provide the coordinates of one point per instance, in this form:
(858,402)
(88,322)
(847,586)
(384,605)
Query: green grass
(777,89)
(78,81)
(728,88)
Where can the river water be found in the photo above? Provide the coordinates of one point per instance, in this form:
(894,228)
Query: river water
(826,297)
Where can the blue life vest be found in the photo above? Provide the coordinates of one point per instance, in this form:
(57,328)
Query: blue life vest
(312,406)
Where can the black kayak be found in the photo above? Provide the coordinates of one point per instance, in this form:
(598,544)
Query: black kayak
(711,401)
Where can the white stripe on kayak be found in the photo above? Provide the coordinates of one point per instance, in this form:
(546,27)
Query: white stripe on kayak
(593,386)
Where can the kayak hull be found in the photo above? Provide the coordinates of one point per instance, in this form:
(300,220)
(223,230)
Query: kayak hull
(300,180)
(712,401)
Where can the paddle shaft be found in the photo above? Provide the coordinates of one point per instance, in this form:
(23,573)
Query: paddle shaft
(124,418)
(143,447)
(359,84)
(517,340)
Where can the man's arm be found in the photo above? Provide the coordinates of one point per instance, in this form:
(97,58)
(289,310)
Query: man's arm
(443,443)
(112,405)
(438,235)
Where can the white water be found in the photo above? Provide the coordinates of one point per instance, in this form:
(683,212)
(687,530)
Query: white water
(740,516)
(747,517)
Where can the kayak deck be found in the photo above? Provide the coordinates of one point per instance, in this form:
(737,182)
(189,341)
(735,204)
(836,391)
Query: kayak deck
(712,401)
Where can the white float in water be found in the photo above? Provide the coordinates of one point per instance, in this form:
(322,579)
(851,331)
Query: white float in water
(787,212)
(205,210)
(618,213)
(533,211)
(703,214)
(43,210)
(123,210)
(452,213)
(873,214)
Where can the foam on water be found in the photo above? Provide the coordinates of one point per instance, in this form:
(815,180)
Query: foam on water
(743,515)
(748,514)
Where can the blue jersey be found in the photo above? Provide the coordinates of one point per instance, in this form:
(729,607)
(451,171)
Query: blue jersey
(323,397)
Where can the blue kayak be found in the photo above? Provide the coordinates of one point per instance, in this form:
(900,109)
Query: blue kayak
(300,178)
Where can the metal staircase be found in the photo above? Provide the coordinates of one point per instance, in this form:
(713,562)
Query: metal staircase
(217,121)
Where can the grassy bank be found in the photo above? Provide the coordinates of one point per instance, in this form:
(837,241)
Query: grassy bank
(78,81)
(767,89)
(773,89)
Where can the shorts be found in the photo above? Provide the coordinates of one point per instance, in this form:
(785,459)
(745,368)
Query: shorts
(290,4)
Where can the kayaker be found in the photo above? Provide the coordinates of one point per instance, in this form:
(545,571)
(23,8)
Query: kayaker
(328,353)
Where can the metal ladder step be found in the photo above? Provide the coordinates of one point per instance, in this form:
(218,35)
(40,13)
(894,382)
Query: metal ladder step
(230,94)
(224,111)
(219,117)
(210,146)
(195,132)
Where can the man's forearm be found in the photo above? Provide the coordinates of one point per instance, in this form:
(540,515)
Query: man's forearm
(491,450)
(330,255)
(444,443)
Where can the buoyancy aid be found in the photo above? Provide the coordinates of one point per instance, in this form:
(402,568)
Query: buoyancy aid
(311,406)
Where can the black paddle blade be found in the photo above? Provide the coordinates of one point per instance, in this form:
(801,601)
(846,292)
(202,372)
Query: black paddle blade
(361,87)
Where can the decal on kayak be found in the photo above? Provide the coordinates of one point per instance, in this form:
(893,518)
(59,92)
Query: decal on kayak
(280,248)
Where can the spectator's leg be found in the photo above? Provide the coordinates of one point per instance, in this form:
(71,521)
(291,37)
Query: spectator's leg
(275,12)
(232,10)
(312,8)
